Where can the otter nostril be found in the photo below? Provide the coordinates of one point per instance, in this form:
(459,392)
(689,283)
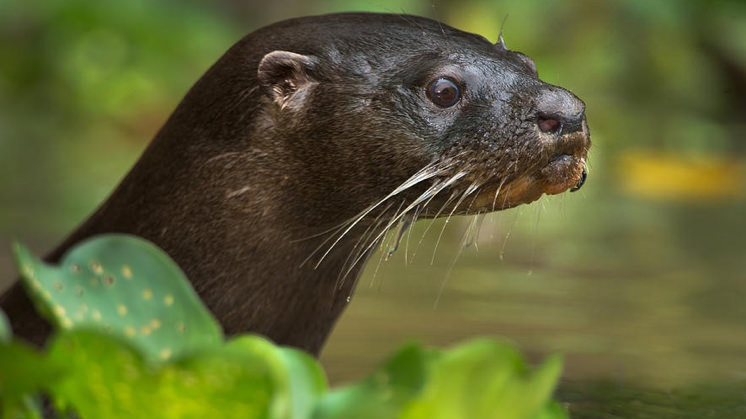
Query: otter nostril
(550,125)
(565,111)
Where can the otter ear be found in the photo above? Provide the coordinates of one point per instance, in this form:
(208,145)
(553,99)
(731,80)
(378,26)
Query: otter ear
(285,73)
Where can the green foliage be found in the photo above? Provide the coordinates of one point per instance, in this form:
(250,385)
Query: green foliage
(92,366)
(480,379)
(237,379)
(23,373)
(106,55)
(484,379)
(4,328)
(384,393)
(126,286)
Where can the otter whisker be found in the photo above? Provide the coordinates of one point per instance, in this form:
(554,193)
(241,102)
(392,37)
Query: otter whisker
(375,271)
(512,225)
(425,195)
(500,186)
(499,189)
(469,190)
(507,194)
(477,228)
(497,193)
(417,178)
(437,187)
(404,225)
(363,252)
(378,238)
(412,219)
(433,169)
(432,222)
(415,216)
(476,224)
(450,270)
(364,237)
(359,248)
(429,171)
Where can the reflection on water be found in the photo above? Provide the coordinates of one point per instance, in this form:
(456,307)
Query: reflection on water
(647,298)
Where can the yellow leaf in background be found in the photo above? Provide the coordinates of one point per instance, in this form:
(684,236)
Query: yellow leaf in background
(660,176)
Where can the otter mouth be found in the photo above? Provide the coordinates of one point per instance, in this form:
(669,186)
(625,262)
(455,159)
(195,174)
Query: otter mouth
(565,170)
(562,173)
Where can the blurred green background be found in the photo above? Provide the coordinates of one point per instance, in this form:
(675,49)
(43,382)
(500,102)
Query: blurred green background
(639,278)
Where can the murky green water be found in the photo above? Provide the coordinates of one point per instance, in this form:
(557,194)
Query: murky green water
(647,301)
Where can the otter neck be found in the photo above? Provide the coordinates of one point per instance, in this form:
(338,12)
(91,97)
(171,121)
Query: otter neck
(241,237)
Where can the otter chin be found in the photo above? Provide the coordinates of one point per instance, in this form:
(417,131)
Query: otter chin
(292,156)
(560,175)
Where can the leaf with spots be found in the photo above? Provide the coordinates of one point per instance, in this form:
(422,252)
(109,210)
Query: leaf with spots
(125,286)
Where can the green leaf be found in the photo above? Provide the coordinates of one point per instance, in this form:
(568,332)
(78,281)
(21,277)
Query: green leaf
(305,383)
(485,379)
(297,378)
(23,373)
(5,332)
(480,379)
(248,377)
(384,393)
(125,286)
(553,410)
(108,379)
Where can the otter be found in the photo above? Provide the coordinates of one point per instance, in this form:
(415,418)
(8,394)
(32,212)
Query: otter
(289,159)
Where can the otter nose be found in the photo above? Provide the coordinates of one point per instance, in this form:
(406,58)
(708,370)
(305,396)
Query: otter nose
(559,112)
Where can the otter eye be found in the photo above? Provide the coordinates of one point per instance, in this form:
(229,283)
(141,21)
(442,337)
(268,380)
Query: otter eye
(443,92)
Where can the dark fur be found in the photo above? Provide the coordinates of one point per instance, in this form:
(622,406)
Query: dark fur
(248,172)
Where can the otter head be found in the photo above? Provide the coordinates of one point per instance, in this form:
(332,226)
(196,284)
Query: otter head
(406,115)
